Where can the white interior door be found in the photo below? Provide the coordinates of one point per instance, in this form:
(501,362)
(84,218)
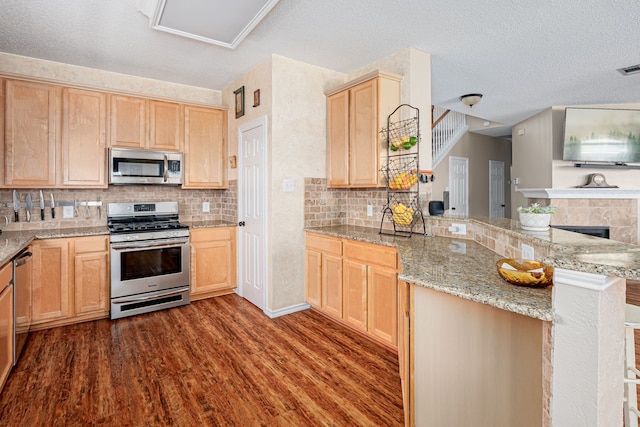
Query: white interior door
(252,201)
(496,189)
(458,186)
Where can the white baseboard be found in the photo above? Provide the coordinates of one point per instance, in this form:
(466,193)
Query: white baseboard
(286,310)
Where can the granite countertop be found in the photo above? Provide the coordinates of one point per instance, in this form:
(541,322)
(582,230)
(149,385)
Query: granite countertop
(578,252)
(209,224)
(457,267)
(12,242)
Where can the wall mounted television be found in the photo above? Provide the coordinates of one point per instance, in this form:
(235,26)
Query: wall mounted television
(608,136)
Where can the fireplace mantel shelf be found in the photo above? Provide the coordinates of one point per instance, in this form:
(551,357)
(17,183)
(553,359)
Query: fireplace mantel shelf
(580,193)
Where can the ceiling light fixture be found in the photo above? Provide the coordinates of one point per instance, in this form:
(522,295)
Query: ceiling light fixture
(471,99)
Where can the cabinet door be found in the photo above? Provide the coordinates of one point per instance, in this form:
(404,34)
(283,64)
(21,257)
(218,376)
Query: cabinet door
(332,285)
(127,117)
(213,261)
(205,147)
(91,275)
(51,296)
(83,138)
(354,293)
(313,277)
(364,138)
(165,126)
(383,304)
(212,267)
(338,139)
(30,135)
(6,331)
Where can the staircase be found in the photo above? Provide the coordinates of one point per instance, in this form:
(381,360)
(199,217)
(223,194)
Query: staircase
(447,129)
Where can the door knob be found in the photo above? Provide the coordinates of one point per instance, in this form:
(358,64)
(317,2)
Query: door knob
(241,224)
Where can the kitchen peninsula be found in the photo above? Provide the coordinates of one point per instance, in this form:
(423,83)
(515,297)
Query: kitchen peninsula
(479,350)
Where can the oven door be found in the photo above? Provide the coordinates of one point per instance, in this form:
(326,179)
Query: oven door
(149,266)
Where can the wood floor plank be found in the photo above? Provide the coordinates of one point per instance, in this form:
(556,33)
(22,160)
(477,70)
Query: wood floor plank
(215,362)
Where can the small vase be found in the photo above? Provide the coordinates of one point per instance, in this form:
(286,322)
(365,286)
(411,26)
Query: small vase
(535,222)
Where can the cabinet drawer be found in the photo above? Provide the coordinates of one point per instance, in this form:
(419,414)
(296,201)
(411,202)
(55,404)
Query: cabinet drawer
(91,244)
(371,254)
(211,234)
(324,244)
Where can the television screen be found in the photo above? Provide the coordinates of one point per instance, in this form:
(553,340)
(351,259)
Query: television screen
(601,135)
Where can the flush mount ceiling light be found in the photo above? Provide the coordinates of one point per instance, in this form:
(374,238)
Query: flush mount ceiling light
(471,99)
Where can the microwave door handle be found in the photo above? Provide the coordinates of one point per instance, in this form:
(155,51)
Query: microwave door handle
(166,168)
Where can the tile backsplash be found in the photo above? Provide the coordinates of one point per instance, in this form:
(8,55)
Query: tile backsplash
(343,206)
(223,204)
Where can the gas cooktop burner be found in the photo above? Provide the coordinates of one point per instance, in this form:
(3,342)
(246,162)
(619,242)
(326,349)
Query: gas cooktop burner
(145,218)
(145,226)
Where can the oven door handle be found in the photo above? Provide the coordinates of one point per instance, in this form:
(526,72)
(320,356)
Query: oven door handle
(143,245)
(139,299)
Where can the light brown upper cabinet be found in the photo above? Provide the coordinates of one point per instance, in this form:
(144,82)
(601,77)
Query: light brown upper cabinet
(145,124)
(83,138)
(205,147)
(30,143)
(356,112)
(165,126)
(128,122)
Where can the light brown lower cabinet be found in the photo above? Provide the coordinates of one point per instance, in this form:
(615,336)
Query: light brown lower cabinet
(70,280)
(355,283)
(213,261)
(6,322)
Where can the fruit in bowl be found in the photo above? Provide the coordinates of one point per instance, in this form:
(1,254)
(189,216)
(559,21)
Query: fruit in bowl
(522,272)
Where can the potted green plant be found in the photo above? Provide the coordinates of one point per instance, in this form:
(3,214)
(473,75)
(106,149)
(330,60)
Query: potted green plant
(535,217)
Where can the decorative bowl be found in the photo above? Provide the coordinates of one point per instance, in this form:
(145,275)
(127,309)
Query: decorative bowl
(523,272)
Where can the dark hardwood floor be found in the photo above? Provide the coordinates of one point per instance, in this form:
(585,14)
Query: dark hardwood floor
(216,362)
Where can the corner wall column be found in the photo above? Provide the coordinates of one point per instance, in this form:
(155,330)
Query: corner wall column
(588,349)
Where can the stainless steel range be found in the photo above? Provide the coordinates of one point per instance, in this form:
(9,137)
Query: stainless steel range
(149,258)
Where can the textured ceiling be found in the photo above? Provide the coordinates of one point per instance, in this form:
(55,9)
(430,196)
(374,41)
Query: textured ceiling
(522,56)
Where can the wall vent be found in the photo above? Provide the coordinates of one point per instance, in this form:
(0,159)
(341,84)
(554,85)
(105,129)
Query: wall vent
(633,69)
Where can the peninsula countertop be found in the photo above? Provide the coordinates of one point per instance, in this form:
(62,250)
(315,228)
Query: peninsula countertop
(457,267)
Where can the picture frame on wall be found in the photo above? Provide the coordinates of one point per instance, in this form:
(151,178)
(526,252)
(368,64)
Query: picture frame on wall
(256,97)
(239,97)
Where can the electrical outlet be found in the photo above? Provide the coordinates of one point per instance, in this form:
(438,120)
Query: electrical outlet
(527,251)
(67,212)
(458,229)
(206,207)
(369,210)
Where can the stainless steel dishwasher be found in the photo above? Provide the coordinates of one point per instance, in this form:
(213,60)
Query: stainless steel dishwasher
(22,300)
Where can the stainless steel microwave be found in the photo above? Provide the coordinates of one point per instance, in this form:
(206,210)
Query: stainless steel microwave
(131,166)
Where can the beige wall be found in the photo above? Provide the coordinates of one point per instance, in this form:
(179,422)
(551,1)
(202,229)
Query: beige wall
(565,174)
(292,97)
(479,149)
(532,156)
(72,75)
(537,155)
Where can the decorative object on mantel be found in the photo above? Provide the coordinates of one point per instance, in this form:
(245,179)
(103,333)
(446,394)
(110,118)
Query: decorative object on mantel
(524,272)
(597,180)
(535,217)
